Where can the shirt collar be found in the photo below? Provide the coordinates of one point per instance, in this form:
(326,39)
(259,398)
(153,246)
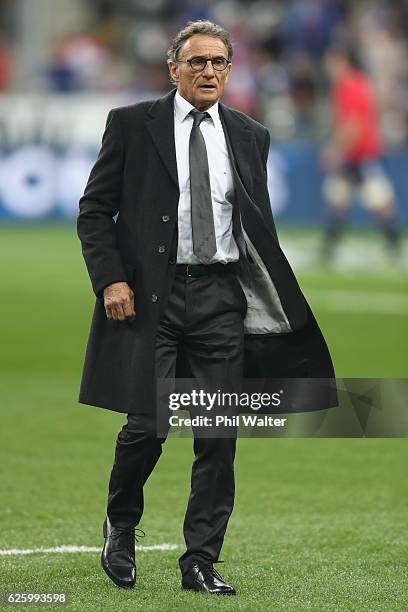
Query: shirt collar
(182,108)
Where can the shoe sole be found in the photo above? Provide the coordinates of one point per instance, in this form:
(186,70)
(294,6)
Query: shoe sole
(188,588)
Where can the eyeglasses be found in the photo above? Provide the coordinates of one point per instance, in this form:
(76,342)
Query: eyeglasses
(199,63)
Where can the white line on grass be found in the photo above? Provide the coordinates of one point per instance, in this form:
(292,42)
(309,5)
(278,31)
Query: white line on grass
(359,301)
(78,549)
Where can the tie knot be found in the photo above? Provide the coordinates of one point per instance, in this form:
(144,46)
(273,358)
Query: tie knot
(198,116)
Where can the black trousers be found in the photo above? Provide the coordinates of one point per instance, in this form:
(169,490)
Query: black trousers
(204,318)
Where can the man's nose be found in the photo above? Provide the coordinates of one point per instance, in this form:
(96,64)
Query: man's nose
(209,69)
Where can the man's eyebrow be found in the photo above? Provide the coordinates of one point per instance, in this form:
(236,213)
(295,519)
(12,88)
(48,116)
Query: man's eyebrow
(207,57)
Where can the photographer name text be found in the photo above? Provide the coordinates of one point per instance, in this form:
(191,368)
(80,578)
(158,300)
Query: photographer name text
(227,421)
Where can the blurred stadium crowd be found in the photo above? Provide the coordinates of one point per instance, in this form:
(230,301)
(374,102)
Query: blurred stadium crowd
(120,45)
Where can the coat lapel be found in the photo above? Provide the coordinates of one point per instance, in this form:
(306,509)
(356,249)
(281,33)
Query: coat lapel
(241,141)
(160,124)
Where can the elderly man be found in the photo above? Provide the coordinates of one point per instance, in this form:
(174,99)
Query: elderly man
(190,281)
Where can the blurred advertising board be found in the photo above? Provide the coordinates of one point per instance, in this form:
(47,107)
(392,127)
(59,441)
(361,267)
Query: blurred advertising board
(49,143)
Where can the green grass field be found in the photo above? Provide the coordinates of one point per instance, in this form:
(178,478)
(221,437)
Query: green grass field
(319,524)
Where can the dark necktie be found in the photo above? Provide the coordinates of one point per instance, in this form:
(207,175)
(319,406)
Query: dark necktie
(202,219)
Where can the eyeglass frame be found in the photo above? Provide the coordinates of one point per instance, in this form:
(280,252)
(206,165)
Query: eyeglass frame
(208,59)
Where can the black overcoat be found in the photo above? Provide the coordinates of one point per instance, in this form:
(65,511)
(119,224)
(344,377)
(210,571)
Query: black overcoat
(128,229)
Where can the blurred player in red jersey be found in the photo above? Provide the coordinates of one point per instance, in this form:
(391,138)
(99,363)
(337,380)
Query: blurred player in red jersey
(352,159)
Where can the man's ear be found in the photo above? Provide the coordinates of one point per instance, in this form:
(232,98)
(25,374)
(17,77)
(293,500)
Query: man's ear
(174,70)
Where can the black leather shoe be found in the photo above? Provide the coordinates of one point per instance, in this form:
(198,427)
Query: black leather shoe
(118,554)
(203,578)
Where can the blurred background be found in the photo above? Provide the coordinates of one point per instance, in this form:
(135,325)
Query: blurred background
(63,65)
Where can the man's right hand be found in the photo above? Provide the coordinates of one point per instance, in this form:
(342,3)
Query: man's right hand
(119,302)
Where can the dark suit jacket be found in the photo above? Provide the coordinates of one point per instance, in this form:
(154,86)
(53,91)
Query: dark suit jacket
(135,178)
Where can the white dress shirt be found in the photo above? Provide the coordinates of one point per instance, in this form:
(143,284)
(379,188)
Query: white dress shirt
(221,182)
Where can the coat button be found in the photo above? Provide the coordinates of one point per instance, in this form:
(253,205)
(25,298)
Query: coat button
(165,218)
(162,248)
(154,297)
(172,261)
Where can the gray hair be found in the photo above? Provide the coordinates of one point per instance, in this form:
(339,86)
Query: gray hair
(198,27)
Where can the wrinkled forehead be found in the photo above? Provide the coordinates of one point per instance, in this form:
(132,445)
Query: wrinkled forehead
(198,44)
